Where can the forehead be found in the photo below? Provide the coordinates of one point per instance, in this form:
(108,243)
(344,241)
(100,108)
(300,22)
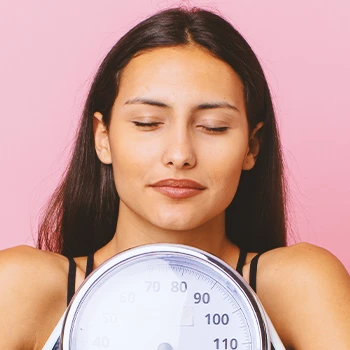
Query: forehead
(178,72)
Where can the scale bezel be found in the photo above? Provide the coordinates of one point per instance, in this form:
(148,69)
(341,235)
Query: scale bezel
(163,249)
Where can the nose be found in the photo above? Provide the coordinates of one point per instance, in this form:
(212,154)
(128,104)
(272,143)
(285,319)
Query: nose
(179,152)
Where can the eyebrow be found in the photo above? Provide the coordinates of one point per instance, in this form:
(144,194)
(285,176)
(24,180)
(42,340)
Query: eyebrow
(202,106)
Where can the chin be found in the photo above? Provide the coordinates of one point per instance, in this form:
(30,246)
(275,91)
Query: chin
(174,223)
(177,226)
(177,223)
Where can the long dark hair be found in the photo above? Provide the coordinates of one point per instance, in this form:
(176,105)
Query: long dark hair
(82,213)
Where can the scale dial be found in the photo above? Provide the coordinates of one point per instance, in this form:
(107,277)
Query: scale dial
(165,297)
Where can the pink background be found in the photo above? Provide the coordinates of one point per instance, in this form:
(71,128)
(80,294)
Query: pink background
(51,49)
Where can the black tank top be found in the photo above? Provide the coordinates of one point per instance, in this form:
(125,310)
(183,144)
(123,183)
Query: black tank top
(72,273)
(71,283)
(252,272)
(253,267)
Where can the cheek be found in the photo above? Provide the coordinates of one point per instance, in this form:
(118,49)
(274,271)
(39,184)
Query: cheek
(226,178)
(226,166)
(227,185)
(131,159)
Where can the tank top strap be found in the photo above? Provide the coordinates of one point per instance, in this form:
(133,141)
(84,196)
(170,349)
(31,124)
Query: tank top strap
(241,260)
(89,264)
(72,270)
(253,271)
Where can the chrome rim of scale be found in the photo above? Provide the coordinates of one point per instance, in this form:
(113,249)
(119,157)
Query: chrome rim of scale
(165,297)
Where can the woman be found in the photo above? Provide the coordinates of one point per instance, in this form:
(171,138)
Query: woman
(178,143)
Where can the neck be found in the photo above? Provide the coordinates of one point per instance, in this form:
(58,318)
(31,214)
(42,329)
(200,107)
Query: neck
(133,231)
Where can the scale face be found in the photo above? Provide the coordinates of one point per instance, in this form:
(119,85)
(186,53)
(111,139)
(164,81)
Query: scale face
(165,297)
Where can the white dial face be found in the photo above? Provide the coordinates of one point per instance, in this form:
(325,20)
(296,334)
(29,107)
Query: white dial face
(165,303)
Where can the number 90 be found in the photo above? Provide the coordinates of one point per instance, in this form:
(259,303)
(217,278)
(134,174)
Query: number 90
(204,298)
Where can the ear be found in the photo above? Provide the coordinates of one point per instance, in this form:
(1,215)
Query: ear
(253,148)
(102,145)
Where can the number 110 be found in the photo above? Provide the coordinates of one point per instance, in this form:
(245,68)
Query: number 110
(227,343)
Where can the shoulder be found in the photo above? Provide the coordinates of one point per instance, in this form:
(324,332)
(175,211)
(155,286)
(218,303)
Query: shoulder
(302,263)
(24,263)
(306,287)
(33,291)
(299,256)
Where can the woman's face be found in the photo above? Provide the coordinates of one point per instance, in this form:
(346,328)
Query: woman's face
(179,114)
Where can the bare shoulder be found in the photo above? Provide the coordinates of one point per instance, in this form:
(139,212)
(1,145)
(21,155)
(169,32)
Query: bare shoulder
(302,266)
(306,287)
(32,292)
(25,264)
(301,259)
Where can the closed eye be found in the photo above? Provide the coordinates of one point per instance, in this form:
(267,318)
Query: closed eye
(206,128)
(214,130)
(146,125)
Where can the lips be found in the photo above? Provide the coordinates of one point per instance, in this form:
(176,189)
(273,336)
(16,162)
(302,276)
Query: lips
(178,183)
(178,188)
